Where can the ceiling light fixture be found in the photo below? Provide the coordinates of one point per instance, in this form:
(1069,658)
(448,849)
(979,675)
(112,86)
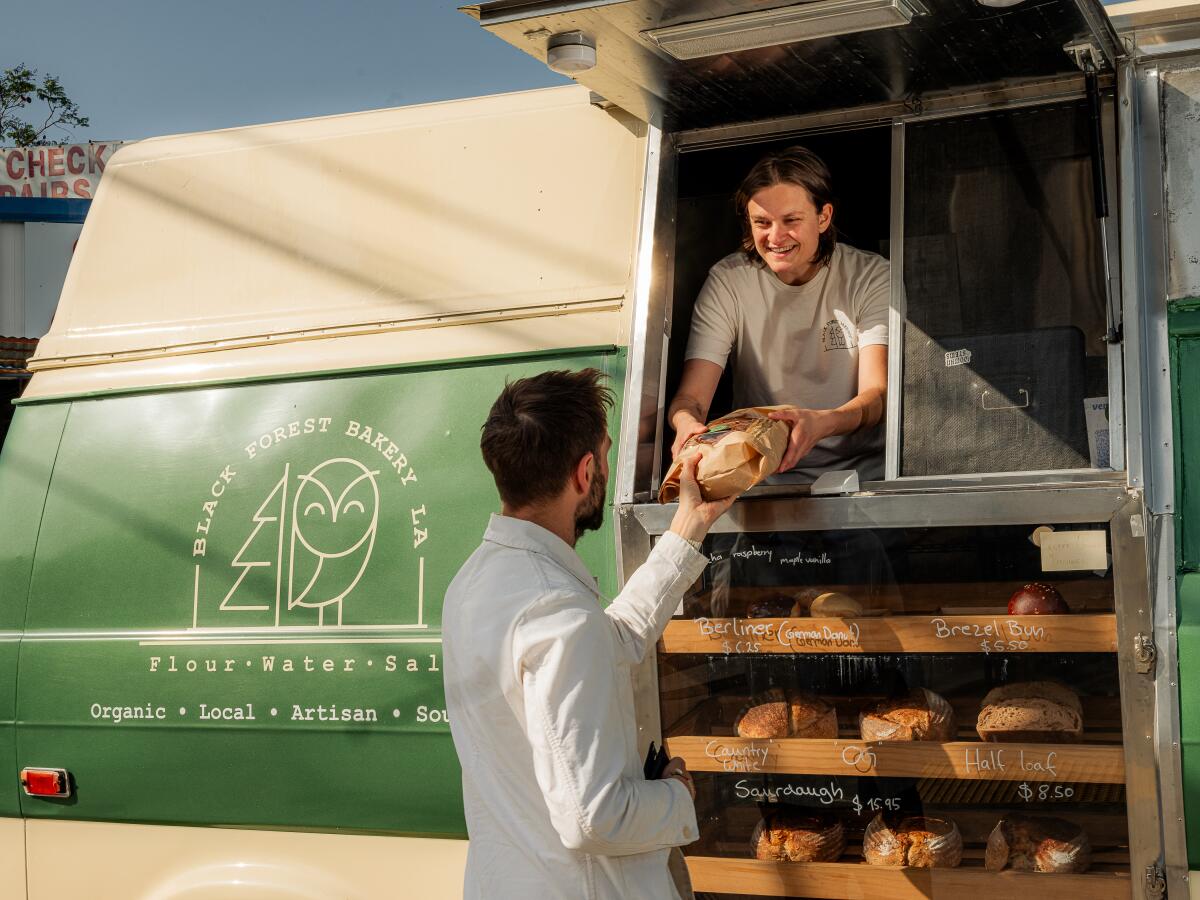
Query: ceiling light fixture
(767,28)
(570,52)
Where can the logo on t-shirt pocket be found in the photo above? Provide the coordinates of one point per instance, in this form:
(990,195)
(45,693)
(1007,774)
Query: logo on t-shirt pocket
(839,335)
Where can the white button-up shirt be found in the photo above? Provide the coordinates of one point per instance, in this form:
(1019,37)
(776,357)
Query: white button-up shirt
(540,699)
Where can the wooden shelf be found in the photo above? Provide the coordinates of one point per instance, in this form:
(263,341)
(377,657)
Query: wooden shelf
(1083,633)
(859,881)
(1086,763)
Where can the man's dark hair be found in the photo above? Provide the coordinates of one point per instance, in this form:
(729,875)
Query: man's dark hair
(539,428)
(794,165)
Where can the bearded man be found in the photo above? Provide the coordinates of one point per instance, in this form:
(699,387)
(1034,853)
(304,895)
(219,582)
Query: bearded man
(538,672)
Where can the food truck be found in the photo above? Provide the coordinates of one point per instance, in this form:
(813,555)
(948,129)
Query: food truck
(246,465)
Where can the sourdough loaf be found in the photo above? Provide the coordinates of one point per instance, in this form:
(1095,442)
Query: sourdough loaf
(789,835)
(1037,711)
(918,841)
(922,715)
(1037,844)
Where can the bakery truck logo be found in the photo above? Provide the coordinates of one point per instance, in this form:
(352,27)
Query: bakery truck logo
(291,534)
(839,333)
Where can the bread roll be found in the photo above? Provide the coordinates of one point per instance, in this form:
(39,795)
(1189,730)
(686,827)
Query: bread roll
(780,714)
(1035,711)
(920,716)
(1037,844)
(918,841)
(835,605)
(788,835)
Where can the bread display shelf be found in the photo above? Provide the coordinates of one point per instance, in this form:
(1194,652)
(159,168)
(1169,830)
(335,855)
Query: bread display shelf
(853,880)
(1080,633)
(1087,763)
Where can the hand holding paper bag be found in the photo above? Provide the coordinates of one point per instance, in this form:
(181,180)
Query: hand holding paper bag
(736,452)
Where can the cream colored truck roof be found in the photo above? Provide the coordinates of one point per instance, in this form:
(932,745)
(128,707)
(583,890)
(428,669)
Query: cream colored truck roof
(353,241)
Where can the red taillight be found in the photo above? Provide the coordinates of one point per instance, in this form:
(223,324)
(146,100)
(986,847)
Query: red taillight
(46,782)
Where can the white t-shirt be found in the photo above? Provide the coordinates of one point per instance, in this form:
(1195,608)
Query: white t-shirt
(798,344)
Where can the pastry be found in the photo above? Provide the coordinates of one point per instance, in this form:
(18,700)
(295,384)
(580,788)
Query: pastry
(1038,711)
(919,841)
(1037,599)
(835,605)
(1037,844)
(776,607)
(802,600)
(922,715)
(788,835)
(780,714)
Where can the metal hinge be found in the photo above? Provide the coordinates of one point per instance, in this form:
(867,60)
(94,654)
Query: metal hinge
(1156,882)
(1144,653)
(1086,56)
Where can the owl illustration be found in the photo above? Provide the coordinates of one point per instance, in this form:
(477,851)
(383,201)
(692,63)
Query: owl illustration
(335,516)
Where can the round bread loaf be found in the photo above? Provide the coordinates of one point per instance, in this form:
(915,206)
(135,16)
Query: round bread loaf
(1037,711)
(1038,844)
(920,716)
(788,835)
(918,841)
(779,714)
(835,605)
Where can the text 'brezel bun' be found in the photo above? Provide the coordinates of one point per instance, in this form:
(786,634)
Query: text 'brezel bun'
(1037,599)
(920,716)
(1038,844)
(779,714)
(918,841)
(788,835)
(1037,711)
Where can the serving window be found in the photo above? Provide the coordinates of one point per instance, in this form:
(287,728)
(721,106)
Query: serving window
(1005,321)
(917,712)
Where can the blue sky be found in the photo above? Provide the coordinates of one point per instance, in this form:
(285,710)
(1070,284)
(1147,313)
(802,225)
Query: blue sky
(144,67)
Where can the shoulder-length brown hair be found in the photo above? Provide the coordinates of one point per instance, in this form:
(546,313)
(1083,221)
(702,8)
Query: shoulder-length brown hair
(794,165)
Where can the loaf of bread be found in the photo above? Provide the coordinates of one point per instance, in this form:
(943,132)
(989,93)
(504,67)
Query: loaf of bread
(1037,844)
(1034,711)
(835,605)
(922,715)
(792,835)
(780,714)
(1037,599)
(918,841)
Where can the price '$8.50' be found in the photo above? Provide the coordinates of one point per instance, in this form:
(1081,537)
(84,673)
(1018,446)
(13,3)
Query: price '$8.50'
(1044,792)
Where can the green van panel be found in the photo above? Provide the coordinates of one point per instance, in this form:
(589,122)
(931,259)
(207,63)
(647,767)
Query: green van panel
(1185,350)
(1184,327)
(235,609)
(25,465)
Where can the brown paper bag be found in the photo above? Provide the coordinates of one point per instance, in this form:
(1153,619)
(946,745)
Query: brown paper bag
(736,452)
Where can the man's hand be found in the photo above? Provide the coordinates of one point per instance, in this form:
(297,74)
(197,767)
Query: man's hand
(685,431)
(695,515)
(677,768)
(807,427)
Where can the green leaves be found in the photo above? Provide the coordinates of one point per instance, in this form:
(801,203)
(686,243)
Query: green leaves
(20,89)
